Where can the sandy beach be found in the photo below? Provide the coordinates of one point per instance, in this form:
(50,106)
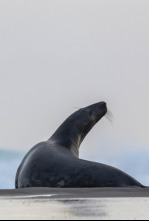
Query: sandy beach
(75,204)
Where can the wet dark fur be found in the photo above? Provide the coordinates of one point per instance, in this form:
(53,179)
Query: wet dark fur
(55,163)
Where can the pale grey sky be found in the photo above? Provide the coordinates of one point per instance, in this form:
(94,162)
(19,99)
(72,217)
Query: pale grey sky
(59,54)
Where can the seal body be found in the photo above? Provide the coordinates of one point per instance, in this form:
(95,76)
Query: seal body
(56,163)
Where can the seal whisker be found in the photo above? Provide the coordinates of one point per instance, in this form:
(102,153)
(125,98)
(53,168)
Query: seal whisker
(110,114)
(109,119)
(77,108)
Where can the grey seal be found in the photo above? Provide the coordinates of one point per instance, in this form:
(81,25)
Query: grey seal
(56,163)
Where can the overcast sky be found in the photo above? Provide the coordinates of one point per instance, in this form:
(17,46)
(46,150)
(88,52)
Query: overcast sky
(56,55)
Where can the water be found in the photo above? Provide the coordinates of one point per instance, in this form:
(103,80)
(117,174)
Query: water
(135,164)
(9,163)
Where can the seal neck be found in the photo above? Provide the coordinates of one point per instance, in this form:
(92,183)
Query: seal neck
(75,128)
(72,132)
(68,136)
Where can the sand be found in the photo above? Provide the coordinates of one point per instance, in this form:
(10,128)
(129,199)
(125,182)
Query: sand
(75,204)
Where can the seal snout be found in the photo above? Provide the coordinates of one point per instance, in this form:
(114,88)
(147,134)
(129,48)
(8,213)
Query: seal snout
(103,106)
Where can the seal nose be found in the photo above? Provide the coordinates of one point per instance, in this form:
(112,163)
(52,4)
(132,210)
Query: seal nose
(104,104)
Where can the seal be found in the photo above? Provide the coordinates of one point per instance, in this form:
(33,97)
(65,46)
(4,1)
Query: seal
(56,163)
